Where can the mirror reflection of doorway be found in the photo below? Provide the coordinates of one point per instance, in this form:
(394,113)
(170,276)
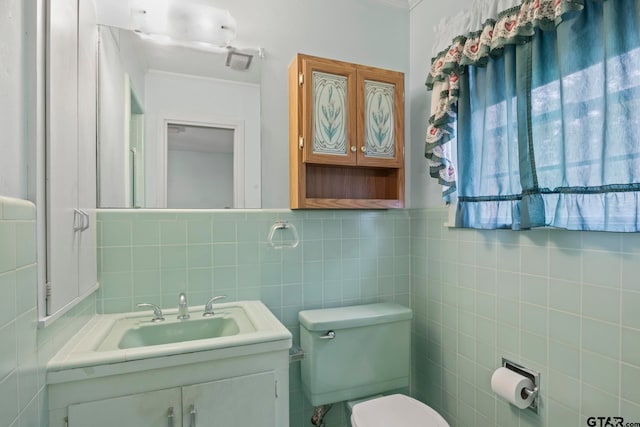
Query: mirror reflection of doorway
(199,167)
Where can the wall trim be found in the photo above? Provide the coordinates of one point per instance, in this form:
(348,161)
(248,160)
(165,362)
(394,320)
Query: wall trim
(414,3)
(402,4)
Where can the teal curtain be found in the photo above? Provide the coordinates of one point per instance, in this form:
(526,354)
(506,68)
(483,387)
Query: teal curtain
(548,127)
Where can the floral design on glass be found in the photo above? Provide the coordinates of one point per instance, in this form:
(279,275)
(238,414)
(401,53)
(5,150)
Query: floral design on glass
(379,119)
(332,115)
(329,114)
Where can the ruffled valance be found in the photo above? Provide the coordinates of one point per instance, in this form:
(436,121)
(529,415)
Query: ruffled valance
(474,46)
(515,25)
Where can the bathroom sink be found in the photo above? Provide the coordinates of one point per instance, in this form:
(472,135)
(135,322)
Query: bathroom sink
(138,329)
(108,341)
(145,369)
(237,329)
(184,330)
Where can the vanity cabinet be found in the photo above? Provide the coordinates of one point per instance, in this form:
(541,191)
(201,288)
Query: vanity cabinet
(228,387)
(346,131)
(154,408)
(248,400)
(241,401)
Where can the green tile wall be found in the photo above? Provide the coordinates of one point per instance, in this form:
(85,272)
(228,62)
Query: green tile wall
(25,350)
(344,258)
(564,303)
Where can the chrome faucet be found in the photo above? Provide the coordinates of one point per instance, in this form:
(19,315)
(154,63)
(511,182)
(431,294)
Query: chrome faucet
(157,312)
(208,308)
(183,308)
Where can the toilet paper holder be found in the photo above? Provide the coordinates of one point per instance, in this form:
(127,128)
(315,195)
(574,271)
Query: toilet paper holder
(529,373)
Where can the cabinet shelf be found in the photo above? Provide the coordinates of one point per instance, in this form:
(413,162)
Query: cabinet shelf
(352,204)
(346,132)
(347,187)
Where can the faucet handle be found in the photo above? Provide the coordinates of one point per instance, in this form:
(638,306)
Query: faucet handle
(208,308)
(183,308)
(157,312)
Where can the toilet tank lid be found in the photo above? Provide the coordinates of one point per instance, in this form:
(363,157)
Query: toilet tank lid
(353,316)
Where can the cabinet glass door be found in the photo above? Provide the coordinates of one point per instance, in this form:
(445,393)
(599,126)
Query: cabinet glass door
(329,97)
(381,99)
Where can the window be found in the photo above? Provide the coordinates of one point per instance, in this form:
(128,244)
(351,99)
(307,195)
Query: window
(546,130)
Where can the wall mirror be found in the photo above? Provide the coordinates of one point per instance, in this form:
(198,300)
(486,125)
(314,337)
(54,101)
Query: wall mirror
(178,127)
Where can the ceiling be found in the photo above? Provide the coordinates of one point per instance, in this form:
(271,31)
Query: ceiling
(404,4)
(200,139)
(117,14)
(183,60)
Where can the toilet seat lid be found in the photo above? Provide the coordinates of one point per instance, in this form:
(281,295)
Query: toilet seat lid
(395,410)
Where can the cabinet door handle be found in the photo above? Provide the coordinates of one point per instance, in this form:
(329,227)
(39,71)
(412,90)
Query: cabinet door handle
(353,149)
(363,149)
(85,225)
(170,417)
(192,415)
(78,217)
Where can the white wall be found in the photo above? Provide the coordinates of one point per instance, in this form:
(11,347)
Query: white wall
(361,31)
(113,124)
(13,106)
(199,180)
(425,191)
(135,64)
(184,98)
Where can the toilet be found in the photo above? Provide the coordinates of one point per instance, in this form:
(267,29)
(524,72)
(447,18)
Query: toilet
(395,410)
(352,353)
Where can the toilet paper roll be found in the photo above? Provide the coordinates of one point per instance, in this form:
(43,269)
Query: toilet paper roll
(510,386)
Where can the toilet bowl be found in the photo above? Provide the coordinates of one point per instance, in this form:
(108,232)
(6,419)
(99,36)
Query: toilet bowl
(396,410)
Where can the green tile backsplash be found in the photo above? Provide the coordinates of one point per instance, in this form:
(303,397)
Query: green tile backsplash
(564,303)
(25,350)
(344,258)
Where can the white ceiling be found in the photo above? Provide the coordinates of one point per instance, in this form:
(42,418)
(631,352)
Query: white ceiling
(182,60)
(200,139)
(403,4)
(117,13)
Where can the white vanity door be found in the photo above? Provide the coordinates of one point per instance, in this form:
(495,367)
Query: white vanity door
(235,402)
(62,154)
(154,408)
(70,154)
(87,128)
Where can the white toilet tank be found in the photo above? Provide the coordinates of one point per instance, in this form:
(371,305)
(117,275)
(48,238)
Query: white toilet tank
(368,354)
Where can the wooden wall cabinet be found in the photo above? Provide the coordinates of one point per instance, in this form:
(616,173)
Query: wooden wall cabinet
(346,135)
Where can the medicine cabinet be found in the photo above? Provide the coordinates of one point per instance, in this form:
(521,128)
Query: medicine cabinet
(346,135)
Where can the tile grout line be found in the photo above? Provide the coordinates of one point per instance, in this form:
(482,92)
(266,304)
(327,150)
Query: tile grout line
(620,301)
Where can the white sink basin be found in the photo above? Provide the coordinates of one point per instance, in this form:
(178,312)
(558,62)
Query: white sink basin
(124,337)
(139,331)
(167,333)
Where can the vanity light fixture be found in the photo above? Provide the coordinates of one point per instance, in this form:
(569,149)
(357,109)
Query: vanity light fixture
(183,22)
(191,25)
